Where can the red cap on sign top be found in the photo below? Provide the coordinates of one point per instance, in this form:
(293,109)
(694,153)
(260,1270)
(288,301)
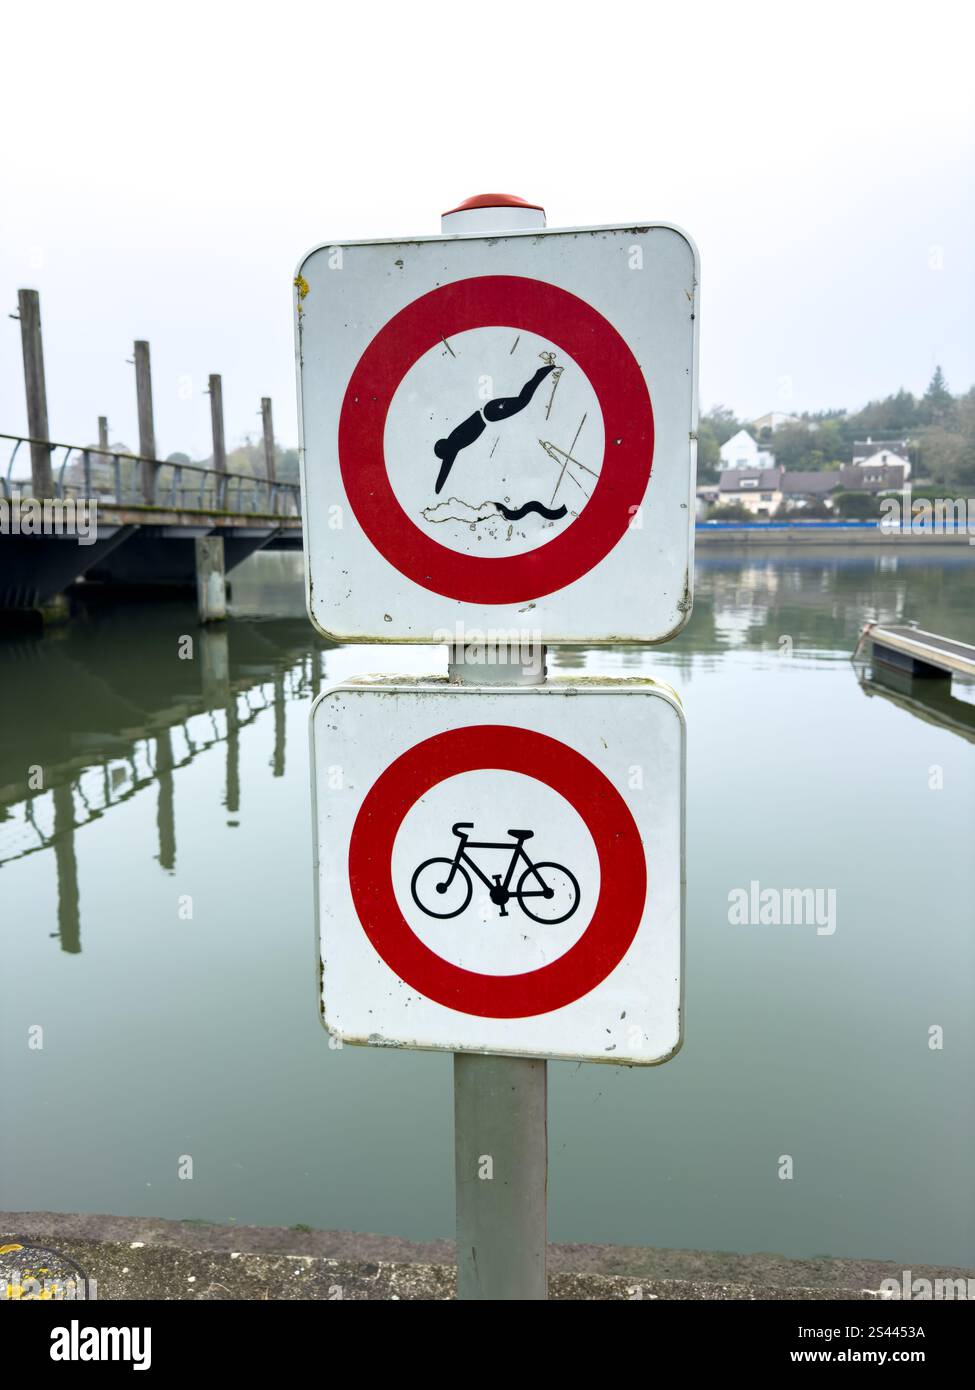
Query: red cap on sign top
(493,200)
(493,212)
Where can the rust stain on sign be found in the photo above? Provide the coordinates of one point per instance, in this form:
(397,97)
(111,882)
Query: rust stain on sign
(686,601)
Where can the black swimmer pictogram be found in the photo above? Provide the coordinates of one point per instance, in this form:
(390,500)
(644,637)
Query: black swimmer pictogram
(516,513)
(501,408)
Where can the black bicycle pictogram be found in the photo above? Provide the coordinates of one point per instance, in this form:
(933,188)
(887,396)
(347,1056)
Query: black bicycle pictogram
(449,880)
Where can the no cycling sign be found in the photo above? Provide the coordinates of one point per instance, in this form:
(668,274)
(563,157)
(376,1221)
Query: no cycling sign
(500,431)
(496,870)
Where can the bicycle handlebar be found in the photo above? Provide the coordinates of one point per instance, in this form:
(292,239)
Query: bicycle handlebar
(462,825)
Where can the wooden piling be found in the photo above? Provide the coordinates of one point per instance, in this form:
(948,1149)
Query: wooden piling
(216,425)
(147,428)
(42,479)
(267,423)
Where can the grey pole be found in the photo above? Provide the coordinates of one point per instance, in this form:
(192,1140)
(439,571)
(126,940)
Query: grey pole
(500,1103)
(147,427)
(29,312)
(165,809)
(500,1111)
(216,425)
(267,422)
(103,463)
(69,903)
(232,800)
(501,1157)
(280,726)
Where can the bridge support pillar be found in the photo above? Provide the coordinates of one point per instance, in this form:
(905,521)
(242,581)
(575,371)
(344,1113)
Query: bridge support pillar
(211,581)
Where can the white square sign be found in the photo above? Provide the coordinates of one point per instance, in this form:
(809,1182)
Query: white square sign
(499,433)
(501,869)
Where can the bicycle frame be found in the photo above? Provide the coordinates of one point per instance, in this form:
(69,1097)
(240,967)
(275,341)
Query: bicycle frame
(517,853)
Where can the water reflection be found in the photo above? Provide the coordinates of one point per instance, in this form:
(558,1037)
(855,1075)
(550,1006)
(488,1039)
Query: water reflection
(745,601)
(117,704)
(929,698)
(170,1035)
(123,699)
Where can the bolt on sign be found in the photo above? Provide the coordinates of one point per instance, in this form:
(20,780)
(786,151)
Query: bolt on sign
(501,870)
(500,430)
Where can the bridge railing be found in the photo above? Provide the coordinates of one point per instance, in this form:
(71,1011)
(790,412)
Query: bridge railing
(113,476)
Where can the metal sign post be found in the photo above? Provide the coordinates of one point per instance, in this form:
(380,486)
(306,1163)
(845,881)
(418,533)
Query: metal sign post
(497,451)
(501,1129)
(500,1103)
(501,1159)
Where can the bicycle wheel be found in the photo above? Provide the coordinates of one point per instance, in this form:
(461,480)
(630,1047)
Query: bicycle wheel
(563,894)
(429,886)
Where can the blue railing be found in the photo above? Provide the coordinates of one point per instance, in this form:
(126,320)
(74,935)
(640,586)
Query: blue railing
(874,524)
(839,525)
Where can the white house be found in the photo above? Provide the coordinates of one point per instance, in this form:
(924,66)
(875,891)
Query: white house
(741,451)
(881,453)
(757,490)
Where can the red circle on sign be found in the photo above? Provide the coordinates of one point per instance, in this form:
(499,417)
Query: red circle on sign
(531,306)
(622,870)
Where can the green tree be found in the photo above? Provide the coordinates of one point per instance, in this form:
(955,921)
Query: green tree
(729,511)
(894,416)
(814,510)
(812,444)
(287,465)
(723,422)
(937,394)
(937,403)
(708,453)
(827,440)
(948,456)
(715,427)
(856,505)
(792,445)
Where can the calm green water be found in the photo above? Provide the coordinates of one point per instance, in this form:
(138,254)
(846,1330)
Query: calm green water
(164,1036)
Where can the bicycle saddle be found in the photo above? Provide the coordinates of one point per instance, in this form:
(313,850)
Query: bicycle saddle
(521,834)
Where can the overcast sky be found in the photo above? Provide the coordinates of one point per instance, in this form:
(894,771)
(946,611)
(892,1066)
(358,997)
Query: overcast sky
(164,166)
